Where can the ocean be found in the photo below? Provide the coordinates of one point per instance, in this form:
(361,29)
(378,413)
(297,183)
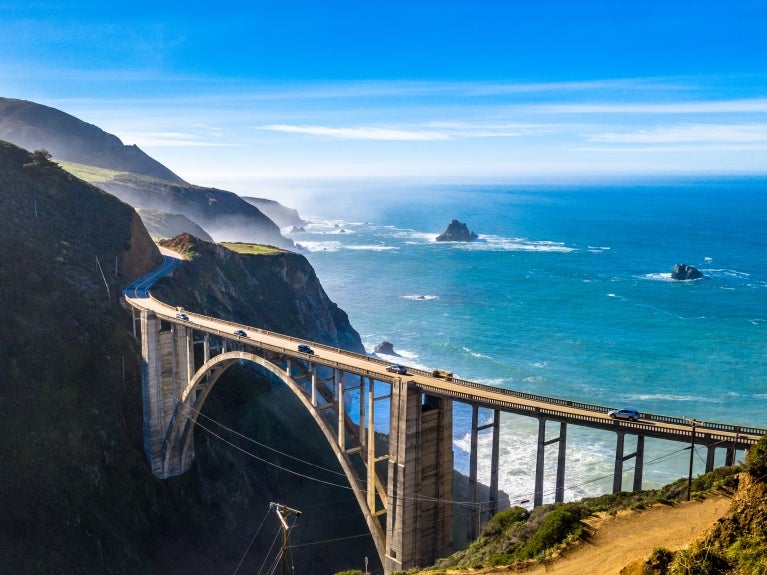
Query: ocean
(567,293)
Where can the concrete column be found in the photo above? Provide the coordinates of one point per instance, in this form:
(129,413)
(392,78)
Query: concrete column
(618,473)
(313,369)
(539,461)
(341,410)
(419,518)
(371,458)
(362,433)
(559,494)
(729,458)
(639,463)
(473,520)
(494,463)
(165,375)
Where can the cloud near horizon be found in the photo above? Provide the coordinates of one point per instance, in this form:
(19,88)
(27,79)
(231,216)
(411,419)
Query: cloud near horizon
(360,133)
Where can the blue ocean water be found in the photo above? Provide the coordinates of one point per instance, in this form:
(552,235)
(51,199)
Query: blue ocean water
(567,293)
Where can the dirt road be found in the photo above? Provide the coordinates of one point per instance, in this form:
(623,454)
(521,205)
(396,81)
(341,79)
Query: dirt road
(622,539)
(627,538)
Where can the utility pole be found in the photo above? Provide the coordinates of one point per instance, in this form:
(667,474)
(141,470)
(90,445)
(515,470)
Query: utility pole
(282,512)
(693,422)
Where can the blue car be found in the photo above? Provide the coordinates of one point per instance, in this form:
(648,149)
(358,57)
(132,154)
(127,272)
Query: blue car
(628,413)
(303,348)
(240,333)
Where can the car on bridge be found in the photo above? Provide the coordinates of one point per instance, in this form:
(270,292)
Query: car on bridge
(183,316)
(628,413)
(397,368)
(303,348)
(240,333)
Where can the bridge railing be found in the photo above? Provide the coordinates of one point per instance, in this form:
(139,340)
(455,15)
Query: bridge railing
(468,397)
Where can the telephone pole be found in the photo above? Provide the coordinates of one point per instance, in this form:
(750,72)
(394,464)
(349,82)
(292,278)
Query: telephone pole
(283,511)
(693,422)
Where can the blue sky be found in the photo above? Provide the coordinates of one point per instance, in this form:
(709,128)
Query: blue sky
(243,95)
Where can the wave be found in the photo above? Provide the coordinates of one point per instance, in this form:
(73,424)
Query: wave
(420,297)
(476,354)
(673,397)
(330,246)
(372,248)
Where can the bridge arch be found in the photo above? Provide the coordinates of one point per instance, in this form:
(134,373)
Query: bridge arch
(179,440)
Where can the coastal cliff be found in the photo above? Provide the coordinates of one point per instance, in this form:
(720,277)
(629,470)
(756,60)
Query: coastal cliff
(76,494)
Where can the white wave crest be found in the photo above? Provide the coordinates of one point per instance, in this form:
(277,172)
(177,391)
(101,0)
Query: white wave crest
(372,248)
(420,297)
(321,246)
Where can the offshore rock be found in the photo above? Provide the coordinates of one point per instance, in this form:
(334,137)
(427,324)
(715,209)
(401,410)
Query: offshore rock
(685,272)
(385,348)
(457,232)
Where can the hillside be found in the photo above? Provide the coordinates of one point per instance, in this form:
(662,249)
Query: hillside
(721,531)
(76,493)
(128,173)
(34,126)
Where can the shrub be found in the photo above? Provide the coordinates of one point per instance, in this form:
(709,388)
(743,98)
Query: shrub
(749,554)
(756,460)
(698,561)
(559,524)
(659,560)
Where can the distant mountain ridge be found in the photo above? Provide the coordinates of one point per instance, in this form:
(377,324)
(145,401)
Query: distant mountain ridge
(35,126)
(134,177)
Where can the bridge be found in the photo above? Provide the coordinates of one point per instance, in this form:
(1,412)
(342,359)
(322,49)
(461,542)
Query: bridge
(408,531)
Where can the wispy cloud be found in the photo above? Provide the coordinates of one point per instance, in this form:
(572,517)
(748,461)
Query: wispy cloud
(360,133)
(753,105)
(703,133)
(170,139)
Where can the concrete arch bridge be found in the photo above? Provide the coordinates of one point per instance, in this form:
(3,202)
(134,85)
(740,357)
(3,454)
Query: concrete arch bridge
(408,531)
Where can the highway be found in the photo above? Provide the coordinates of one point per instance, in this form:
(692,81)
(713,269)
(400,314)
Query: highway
(533,405)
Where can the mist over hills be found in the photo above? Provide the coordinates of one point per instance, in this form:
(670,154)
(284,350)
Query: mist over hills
(131,175)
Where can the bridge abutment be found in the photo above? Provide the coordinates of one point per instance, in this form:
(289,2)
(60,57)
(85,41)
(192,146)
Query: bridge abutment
(167,364)
(420,479)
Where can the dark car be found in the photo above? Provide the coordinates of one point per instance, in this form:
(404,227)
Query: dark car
(182,316)
(626,413)
(396,368)
(240,333)
(303,348)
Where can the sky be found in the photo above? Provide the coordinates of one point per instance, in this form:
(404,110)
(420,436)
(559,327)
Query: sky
(247,95)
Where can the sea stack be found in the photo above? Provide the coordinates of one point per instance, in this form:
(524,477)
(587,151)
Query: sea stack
(385,348)
(685,272)
(457,232)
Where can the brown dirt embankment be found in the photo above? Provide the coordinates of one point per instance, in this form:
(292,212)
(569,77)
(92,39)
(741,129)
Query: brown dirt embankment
(618,544)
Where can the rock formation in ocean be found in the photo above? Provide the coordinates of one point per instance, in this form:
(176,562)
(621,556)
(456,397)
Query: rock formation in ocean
(457,232)
(685,272)
(385,348)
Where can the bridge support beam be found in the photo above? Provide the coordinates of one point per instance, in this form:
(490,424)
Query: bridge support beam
(475,518)
(620,458)
(420,479)
(167,361)
(561,440)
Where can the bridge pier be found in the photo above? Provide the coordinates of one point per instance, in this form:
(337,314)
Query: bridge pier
(420,479)
(166,366)
(561,440)
(475,519)
(620,458)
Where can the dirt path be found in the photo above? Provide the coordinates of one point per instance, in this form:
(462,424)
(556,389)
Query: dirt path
(632,535)
(628,537)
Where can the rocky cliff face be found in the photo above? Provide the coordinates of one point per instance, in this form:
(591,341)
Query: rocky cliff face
(277,291)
